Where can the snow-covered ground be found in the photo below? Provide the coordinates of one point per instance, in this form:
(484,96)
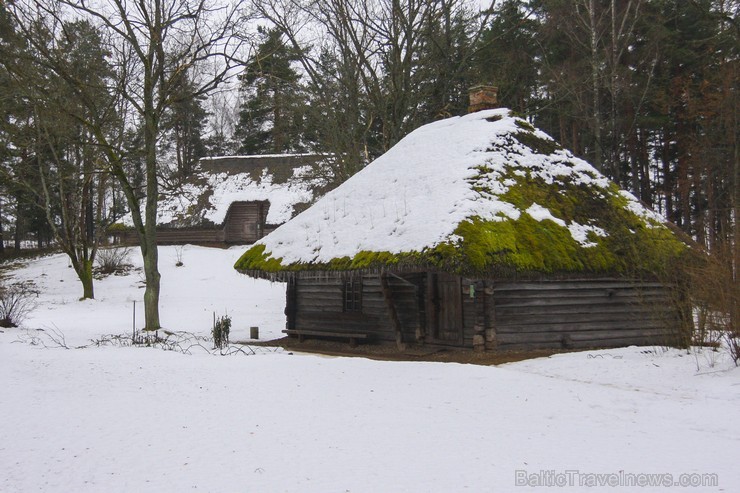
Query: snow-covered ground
(142,419)
(205,284)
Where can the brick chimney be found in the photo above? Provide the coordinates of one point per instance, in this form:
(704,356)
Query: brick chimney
(482,97)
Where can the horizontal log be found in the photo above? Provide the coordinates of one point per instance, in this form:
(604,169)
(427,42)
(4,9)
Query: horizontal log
(525,346)
(505,312)
(648,334)
(338,316)
(581,327)
(584,339)
(321,298)
(372,282)
(319,310)
(320,290)
(566,285)
(356,335)
(337,326)
(601,297)
(578,318)
(633,300)
(585,293)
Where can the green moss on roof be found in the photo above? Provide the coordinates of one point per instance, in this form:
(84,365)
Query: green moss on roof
(527,245)
(537,144)
(631,243)
(523,124)
(522,245)
(256,259)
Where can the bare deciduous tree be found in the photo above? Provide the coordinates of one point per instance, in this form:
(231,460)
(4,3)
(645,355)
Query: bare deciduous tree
(151,43)
(365,62)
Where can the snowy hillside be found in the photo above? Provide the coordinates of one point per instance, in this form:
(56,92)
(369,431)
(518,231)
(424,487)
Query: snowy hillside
(119,419)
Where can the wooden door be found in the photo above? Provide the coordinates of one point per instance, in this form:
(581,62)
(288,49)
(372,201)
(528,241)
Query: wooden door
(245,222)
(444,308)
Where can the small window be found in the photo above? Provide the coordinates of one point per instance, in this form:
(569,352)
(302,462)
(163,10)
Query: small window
(352,295)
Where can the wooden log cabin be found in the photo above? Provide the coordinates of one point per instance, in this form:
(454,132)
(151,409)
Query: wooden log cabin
(235,200)
(445,309)
(478,232)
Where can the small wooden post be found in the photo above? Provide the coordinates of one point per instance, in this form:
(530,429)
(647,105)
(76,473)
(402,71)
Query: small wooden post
(133,325)
(254,332)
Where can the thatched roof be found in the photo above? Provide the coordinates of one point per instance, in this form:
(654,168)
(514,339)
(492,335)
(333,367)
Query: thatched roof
(290,182)
(484,194)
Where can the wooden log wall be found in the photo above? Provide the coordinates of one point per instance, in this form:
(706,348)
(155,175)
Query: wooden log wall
(507,316)
(182,236)
(244,224)
(582,314)
(319,306)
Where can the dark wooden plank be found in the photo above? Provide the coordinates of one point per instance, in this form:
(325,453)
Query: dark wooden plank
(391,309)
(633,300)
(352,336)
(584,293)
(583,327)
(620,334)
(365,326)
(322,291)
(322,299)
(450,317)
(291,303)
(577,285)
(555,340)
(341,317)
(244,222)
(579,318)
(358,335)
(315,311)
(504,313)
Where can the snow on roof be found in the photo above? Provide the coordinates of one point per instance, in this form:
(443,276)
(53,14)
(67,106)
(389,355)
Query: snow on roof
(487,168)
(206,198)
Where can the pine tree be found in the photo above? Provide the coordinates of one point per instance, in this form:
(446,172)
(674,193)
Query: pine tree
(337,120)
(183,125)
(273,106)
(445,68)
(508,56)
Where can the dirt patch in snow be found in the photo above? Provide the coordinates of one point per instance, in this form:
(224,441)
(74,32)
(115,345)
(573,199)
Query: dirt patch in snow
(412,352)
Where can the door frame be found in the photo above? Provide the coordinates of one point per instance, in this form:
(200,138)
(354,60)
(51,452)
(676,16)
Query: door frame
(433,308)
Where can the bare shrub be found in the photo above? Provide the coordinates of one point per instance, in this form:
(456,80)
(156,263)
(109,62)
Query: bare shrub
(732,339)
(220,332)
(112,261)
(16,301)
(716,290)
